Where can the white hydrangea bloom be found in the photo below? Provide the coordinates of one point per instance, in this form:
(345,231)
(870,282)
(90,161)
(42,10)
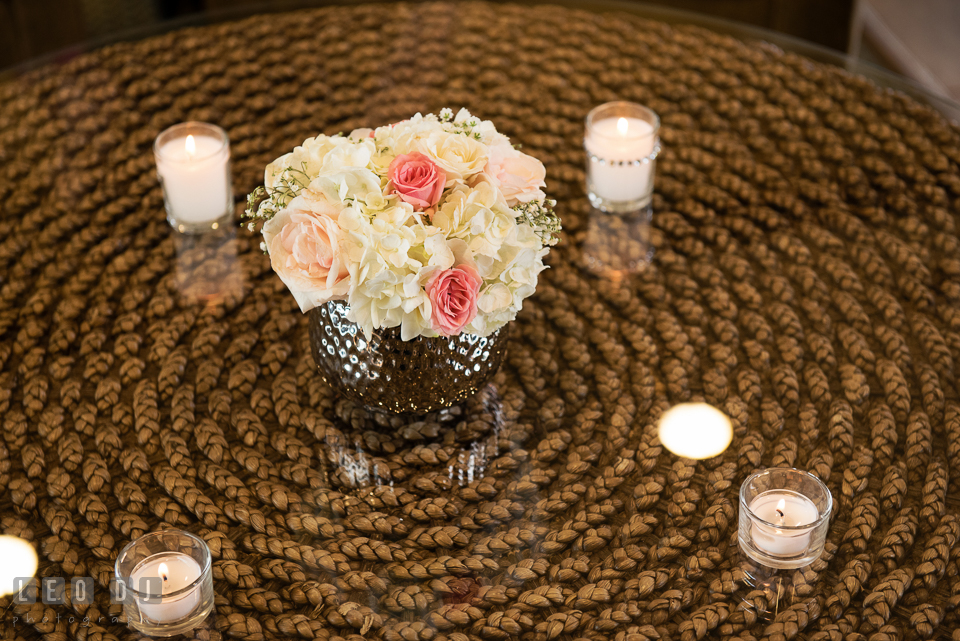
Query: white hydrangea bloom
(391,298)
(494,298)
(437,250)
(347,153)
(352,182)
(307,158)
(466,211)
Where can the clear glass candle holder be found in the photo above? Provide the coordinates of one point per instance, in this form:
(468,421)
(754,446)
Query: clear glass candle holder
(193,165)
(165,582)
(784,517)
(761,592)
(622,143)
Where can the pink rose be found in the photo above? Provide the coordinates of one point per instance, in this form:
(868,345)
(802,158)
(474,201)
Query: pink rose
(518,175)
(304,249)
(417,179)
(453,295)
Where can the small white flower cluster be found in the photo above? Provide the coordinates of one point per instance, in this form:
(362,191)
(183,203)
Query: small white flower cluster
(424,225)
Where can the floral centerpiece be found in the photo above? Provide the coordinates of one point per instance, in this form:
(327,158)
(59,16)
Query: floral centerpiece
(436,225)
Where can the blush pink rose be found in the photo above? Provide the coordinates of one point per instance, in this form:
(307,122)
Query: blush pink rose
(417,179)
(304,250)
(519,176)
(453,295)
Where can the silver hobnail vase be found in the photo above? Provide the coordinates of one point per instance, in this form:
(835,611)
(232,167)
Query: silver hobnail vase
(390,374)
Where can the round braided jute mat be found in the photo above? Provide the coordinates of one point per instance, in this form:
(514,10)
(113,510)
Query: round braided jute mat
(806,280)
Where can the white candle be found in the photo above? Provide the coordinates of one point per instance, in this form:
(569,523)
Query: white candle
(787,509)
(621,139)
(18,560)
(175,571)
(194,170)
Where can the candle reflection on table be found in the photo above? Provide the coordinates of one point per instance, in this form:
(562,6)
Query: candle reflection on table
(695,430)
(616,246)
(208,269)
(18,561)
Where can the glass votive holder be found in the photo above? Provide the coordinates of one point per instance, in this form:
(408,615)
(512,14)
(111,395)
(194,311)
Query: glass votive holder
(166,582)
(622,142)
(761,593)
(784,517)
(193,164)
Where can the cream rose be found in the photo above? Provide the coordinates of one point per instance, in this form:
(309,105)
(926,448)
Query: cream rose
(304,248)
(459,156)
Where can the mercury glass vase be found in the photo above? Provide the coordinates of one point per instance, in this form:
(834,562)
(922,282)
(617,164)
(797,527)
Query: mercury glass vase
(387,373)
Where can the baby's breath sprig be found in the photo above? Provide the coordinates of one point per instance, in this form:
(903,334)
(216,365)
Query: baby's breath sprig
(264,203)
(465,128)
(254,198)
(543,220)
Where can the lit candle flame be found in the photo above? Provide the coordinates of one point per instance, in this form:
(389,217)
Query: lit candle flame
(780,507)
(191,150)
(622,126)
(164,571)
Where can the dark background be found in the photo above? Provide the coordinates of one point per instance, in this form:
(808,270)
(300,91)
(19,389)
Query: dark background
(31,28)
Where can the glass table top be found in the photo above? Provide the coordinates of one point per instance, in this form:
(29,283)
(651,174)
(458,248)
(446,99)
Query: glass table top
(800,273)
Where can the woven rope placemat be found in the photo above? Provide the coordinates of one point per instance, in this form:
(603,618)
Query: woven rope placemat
(806,280)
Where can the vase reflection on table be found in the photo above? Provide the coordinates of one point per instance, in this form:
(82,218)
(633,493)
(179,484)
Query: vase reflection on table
(473,434)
